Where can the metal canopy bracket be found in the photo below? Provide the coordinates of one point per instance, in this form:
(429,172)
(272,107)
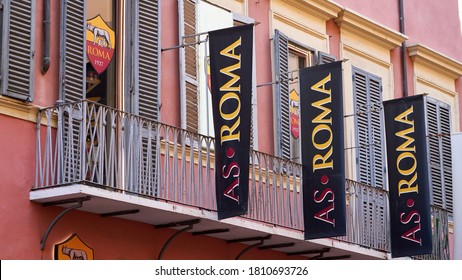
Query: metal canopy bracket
(259,239)
(276,246)
(320,254)
(70,208)
(119,213)
(309,252)
(211,231)
(188,225)
(341,257)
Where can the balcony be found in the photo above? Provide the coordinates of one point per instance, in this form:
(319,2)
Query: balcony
(118,164)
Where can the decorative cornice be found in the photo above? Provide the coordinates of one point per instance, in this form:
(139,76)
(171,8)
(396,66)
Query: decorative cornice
(322,9)
(439,88)
(299,26)
(432,59)
(19,109)
(368,56)
(366,28)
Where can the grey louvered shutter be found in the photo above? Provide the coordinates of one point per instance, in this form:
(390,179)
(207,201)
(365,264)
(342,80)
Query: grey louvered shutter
(142,176)
(367,90)
(72,89)
(17,77)
(147,59)
(439,146)
(281,54)
(373,217)
(189,85)
(73,55)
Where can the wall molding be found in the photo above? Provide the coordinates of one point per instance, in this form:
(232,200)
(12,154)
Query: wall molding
(370,30)
(434,60)
(19,109)
(368,56)
(299,26)
(426,82)
(322,9)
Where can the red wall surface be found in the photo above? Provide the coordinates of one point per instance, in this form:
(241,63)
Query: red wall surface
(385,12)
(259,11)
(170,85)
(435,24)
(23,223)
(46,85)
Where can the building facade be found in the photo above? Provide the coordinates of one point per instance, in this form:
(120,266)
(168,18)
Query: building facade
(107,137)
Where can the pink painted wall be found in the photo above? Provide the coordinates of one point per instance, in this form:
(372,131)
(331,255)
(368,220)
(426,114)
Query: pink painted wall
(170,83)
(23,223)
(333,31)
(18,224)
(459,91)
(47,85)
(435,24)
(424,24)
(259,11)
(119,239)
(395,58)
(431,29)
(385,11)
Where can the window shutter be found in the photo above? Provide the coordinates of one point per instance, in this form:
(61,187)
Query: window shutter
(362,124)
(373,216)
(17,78)
(73,72)
(188,65)
(147,61)
(72,88)
(445,124)
(145,80)
(281,53)
(377,131)
(439,146)
(369,130)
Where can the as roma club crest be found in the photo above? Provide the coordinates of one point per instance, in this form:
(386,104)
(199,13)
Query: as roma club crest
(100,43)
(73,248)
(294,108)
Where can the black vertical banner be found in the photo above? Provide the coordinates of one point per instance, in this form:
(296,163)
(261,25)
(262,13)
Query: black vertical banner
(323,158)
(231,53)
(405,126)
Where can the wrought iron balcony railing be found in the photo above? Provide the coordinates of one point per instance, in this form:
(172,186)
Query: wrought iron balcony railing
(86,142)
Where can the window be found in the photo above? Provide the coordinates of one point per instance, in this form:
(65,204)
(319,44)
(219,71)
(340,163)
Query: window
(196,18)
(439,151)
(370,161)
(18,38)
(130,81)
(289,58)
(110,55)
(100,62)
